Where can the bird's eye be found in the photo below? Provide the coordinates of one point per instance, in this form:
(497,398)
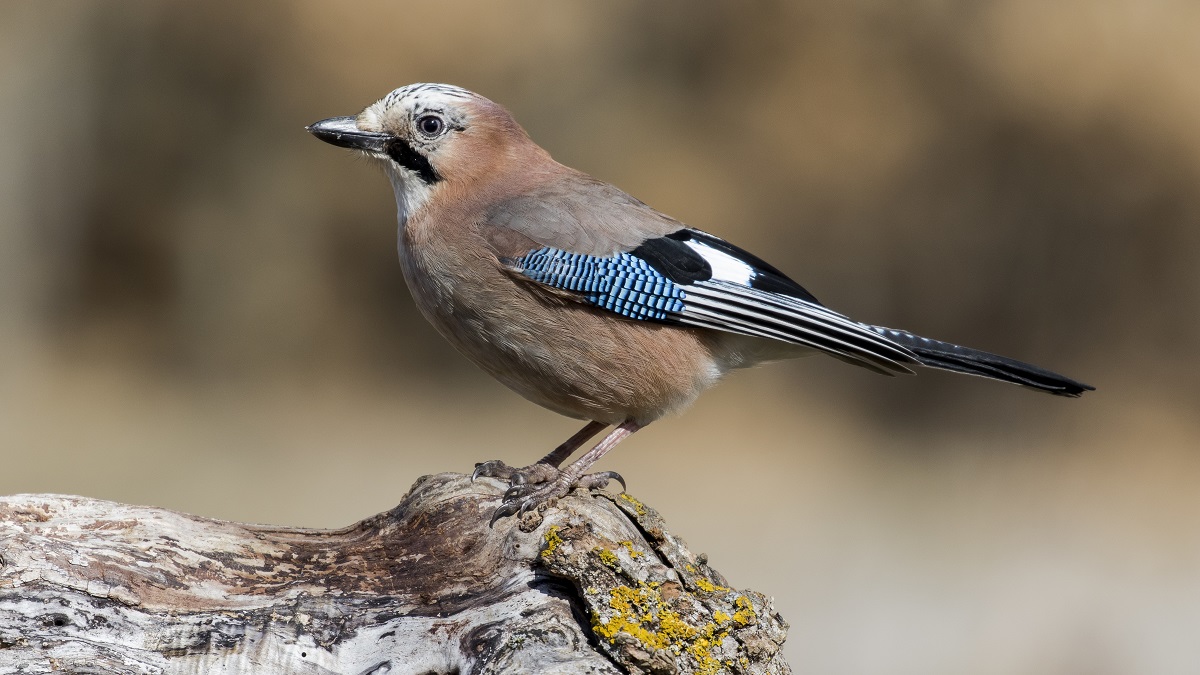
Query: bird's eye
(431,125)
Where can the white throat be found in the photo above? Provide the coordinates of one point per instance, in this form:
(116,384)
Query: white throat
(411,192)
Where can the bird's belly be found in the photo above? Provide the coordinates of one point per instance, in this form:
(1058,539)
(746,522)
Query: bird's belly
(575,360)
(587,366)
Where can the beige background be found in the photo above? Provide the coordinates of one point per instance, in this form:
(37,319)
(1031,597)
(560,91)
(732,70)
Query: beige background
(200,306)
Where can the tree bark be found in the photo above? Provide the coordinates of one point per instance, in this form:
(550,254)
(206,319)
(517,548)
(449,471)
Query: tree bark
(595,584)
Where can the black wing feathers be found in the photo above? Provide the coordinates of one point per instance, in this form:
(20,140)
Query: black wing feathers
(766,278)
(692,278)
(728,289)
(674,259)
(948,356)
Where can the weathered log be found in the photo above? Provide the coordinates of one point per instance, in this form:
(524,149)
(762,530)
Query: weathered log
(595,584)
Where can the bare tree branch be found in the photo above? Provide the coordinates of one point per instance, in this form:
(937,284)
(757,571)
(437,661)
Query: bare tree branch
(597,585)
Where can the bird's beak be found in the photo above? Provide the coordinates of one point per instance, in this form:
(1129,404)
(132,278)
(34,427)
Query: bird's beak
(344,132)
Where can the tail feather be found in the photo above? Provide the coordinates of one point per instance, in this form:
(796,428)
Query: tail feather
(952,357)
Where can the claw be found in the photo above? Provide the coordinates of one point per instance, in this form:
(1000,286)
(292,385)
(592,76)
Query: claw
(613,475)
(600,480)
(505,509)
(514,507)
(515,492)
(493,468)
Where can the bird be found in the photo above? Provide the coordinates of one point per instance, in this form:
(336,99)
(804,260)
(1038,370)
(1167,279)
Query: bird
(585,300)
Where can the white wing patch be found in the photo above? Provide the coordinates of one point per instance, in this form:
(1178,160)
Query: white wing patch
(724,266)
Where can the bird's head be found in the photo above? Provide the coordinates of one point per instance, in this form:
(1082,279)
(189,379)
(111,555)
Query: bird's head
(429,135)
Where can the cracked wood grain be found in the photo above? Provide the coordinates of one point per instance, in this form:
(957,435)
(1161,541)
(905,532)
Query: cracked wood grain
(595,584)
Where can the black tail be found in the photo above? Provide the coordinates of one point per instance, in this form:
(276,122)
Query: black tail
(946,356)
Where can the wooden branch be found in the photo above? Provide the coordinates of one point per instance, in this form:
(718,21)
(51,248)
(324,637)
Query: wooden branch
(596,584)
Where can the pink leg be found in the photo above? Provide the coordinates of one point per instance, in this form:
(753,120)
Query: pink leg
(521,497)
(546,468)
(575,471)
(556,456)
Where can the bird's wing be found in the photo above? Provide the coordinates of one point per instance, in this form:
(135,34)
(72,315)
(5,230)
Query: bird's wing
(577,213)
(690,278)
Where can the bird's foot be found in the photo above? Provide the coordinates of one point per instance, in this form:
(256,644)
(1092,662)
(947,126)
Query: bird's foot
(534,474)
(529,496)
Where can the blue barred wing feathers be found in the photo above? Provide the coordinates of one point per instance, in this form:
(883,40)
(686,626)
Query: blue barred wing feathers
(622,283)
(682,279)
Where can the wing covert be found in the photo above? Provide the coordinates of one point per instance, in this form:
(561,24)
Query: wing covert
(622,283)
(683,279)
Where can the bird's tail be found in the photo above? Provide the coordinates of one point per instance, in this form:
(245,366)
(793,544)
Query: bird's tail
(946,356)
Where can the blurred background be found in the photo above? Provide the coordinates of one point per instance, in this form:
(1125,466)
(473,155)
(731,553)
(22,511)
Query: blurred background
(201,309)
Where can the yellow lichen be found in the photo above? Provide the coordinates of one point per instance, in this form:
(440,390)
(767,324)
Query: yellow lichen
(720,617)
(552,539)
(607,557)
(701,650)
(674,627)
(744,616)
(642,614)
(630,606)
(633,552)
(708,586)
(638,507)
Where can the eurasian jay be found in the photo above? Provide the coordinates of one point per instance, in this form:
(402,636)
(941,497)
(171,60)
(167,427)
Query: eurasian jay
(583,299)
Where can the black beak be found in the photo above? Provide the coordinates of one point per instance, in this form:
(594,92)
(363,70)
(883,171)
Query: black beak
(344,132)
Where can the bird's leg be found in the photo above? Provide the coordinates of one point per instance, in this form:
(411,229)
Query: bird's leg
(557,456)
(521,497)
(546,468)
